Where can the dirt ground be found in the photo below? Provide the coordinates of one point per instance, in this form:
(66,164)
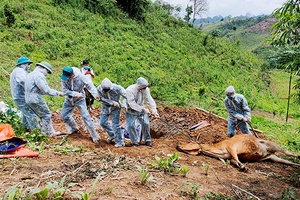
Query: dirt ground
(120,178)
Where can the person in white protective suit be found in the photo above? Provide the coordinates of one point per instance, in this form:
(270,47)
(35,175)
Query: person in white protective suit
(110,94)
(73,84)
(238,112)
(36,86)
(137,96)
(17,87)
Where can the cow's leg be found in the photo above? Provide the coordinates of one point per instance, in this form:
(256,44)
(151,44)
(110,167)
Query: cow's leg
(275,158)
(235,160)
(273,147)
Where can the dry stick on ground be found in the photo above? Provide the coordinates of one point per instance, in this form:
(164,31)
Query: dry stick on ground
(79,167)
(245,191)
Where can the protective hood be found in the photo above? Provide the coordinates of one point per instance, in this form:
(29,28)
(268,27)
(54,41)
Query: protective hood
(230,91)
(141,82)
(106,84)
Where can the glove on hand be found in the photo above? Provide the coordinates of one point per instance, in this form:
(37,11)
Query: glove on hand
(116,104)
(146,110)
(245,119)
(79,95)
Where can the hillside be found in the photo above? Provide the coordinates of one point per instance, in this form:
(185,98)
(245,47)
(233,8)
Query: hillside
(249,33)
(182,65)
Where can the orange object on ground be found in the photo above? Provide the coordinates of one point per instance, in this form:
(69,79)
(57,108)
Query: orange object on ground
(13,146)
(20,152)
(6,132)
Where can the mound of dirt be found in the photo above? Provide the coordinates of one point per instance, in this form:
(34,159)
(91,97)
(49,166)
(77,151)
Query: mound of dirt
(81,161)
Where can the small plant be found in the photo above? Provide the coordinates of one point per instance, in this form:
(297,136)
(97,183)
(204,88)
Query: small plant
(36,136)
(169,165)
(86,196)
(214,196)
(144,174)
(53,190)
(190,190)
(10,115)
(184,170)
(205,167)
(64,147)
(288,194)
(12,193)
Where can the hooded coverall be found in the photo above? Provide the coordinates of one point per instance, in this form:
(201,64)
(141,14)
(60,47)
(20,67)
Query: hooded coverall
(135,102)
(36,86)
(108,109)
(237,108)
(71,88)
(17,86)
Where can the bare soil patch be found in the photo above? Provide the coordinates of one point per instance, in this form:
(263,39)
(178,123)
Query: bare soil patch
(120,178)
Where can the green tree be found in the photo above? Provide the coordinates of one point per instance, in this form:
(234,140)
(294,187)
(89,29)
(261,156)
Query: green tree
(215,34)
(285,33)
(135,8)
(188,11)
(10,18)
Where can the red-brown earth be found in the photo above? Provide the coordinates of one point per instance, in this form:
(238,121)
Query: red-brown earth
(81,161)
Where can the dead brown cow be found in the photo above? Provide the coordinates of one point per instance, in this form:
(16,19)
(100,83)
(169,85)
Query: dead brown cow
(241,147)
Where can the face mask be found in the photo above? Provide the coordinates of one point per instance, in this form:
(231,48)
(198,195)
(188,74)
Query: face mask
(230,97)
(26,66)
(43,70)
(86,67)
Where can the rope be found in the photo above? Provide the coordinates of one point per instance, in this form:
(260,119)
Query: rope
(172,126)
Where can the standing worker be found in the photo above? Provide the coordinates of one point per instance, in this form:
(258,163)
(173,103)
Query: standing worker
(138,94)
(36,86)
(73,83)
(89,73)
(110,94)
(238,112)
(17,87)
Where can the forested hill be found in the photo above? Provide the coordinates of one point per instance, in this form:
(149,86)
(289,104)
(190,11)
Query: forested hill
(249,33)
(184,65)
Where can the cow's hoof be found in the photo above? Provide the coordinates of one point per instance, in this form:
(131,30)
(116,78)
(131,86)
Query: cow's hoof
(243,169)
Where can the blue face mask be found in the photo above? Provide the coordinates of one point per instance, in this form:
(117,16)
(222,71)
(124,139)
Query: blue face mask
(86,67)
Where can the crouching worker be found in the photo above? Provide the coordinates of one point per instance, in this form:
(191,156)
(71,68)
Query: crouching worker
(110,94)
(136,95)
(36,86)
(238,112)
(73,83)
